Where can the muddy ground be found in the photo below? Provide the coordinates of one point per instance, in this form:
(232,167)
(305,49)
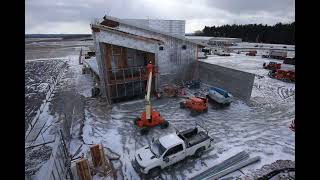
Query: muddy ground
(259,126)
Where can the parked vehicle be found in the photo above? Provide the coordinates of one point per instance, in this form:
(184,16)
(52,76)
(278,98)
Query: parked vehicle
(221,52)
(272,65)
(202,55)
(207,51)
(251,53)
(278,54)
(171,149)
(220,96)
(283,75)
(289,60)
(197,105)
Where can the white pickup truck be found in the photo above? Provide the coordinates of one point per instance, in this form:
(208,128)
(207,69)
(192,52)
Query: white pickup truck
(171,149)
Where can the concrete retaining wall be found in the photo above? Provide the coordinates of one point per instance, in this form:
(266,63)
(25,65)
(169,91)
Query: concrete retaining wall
(237,82)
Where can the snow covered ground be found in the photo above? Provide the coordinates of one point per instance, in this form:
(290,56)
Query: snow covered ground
(42,48)
(259,126)
(251,64)
(40,77)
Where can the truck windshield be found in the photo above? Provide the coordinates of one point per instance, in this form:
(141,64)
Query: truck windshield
(157,148)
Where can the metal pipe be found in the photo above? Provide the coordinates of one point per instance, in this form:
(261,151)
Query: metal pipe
(225,164)
(233,168)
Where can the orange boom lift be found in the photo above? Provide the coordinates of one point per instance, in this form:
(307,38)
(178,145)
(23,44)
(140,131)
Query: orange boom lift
(150,117)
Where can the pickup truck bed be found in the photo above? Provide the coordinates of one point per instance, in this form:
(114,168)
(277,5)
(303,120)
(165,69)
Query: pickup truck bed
(191,137)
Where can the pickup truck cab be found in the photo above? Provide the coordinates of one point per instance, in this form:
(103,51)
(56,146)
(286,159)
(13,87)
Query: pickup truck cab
(171,149)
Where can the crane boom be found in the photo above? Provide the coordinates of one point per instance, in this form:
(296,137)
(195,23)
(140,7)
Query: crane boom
(147,98)
(150,117)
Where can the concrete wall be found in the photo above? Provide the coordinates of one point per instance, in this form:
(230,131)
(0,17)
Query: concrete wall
(237,82)
(126,41)
(176,27)
(173,59)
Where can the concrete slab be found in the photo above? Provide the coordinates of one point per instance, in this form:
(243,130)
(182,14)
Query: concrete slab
(251,64)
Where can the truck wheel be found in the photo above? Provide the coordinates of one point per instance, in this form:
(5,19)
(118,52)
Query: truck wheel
(164,125)
(154,172)
(182,105)
(205,110)
(199,152)
(144,131)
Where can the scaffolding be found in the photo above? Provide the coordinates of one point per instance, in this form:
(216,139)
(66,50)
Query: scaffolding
(127,82)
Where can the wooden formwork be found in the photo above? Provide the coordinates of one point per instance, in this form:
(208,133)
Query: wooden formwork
(100,164)
(83,169)
(99,160)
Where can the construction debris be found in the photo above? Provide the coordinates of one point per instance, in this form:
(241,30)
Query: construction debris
(170,90)
(193,84)
(251,53)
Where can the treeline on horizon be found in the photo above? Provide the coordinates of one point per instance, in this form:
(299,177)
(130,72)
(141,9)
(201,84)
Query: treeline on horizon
(276,34)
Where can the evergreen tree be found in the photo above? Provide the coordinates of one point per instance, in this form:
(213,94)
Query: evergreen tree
(278,33)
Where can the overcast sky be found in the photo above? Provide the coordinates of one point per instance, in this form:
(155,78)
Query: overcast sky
(74,16)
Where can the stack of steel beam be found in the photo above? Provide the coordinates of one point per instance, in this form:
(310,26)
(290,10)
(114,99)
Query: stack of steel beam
(222,166)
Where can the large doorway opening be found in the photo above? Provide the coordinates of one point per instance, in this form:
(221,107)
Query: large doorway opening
(126,72)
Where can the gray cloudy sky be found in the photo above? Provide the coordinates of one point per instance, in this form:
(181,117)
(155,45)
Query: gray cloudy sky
(74,16)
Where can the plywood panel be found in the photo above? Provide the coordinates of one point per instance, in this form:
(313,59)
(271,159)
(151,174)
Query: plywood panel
(108,56)
(83,169)
(123,58)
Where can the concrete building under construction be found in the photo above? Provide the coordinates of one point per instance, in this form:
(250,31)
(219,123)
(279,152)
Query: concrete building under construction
(124,46)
